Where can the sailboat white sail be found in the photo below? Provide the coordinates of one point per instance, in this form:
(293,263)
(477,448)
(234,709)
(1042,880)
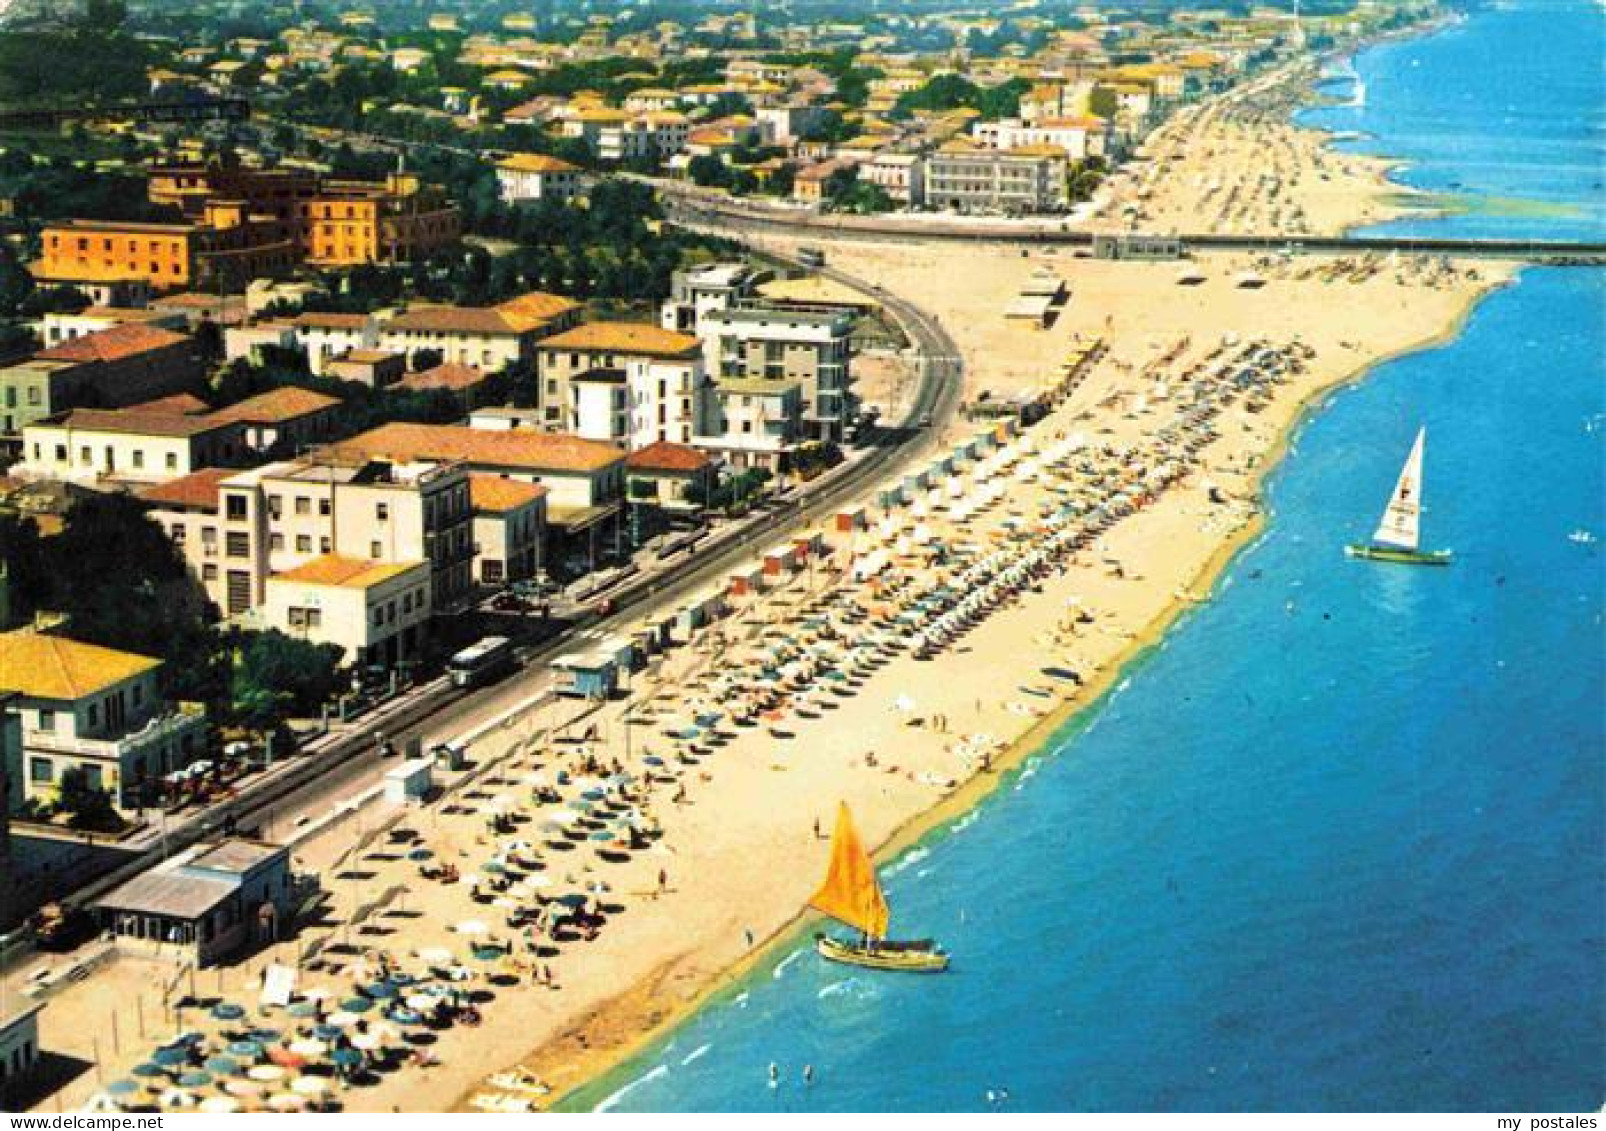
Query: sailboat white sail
(1402,518)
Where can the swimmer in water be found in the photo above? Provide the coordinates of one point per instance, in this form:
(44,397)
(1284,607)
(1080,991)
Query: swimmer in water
(808,1074)
(775,1075)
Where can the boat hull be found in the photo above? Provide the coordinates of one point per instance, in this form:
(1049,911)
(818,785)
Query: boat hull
(1399,557)
(905,958)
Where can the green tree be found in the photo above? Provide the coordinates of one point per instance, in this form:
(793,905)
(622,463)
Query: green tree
(276,676)
(87,806)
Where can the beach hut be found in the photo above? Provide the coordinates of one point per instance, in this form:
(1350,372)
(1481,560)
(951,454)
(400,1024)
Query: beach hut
(747,580)
(849,520)
(623,652)
(409,782)
(810,545)
(590,676)
(778,560)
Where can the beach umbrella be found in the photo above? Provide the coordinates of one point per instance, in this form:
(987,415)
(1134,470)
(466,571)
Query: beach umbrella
(346,1058)
(286,1102)
(367,1042)
(435,954)
(245,1050)
(309,1085)
(303,1009)
(332,1028)
(357,1005)
(471,927)
(420,854)
(380,990)
(264,1035)
(488,953)
(122,1087)
(222,1065)
(308,1047)
(227,1011)
(285,1058)
(243,1088)
(404,1016)
(195,1078)
(175,1097)
(572,899)
(266,1073)
(148,1070)
(602,835)
(172,1056)
(220,1105)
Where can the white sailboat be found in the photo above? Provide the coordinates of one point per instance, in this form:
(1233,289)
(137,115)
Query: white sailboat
(1398,535)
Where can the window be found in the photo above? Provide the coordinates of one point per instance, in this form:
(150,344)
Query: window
(84,456)
(303,505)
(139,457)
(94,715)
(323,544)
(235,507)
(177,533)
(47,720)
(382,511)
(238,544)
(303,543)
(41,770)
(172,461)
(323,507)
(276,541)
(275,505)
(209,572)
(375,550)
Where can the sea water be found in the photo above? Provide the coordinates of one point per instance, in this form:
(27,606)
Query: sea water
(1339,843)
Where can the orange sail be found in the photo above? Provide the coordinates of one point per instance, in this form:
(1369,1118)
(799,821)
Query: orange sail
(851,894)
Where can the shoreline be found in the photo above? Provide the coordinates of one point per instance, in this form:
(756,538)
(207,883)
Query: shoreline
(598,1062)
(928,826)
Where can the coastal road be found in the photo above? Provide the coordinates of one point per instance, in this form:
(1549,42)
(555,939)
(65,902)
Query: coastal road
(711,210)
(342,766)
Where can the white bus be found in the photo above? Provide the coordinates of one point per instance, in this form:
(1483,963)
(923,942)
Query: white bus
(481,662)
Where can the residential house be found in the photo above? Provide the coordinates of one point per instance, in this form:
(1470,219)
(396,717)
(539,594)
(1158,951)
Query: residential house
(119,366)
(662,388)
(324,335)
(121,445)
(509,528)
(99,710)
(525,177)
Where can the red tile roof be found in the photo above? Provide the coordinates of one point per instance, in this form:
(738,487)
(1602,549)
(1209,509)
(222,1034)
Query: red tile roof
(115,344)
(519,448)
(641,339)
(289,402)
(456,320)
(450,376)
(665,456)
(133,423)
(198,489)
(493,494)
(179,404)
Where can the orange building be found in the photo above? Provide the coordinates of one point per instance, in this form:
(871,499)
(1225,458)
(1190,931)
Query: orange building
(333,223)
(224,247)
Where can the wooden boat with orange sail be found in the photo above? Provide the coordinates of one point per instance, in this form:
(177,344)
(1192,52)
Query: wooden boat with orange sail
(852,896)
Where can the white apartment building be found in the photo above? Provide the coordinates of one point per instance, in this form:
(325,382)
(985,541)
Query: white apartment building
(376,612)
(808,347)
(901,175)
(1080,138)
(756,422)
(324,336)
(698,291)
(89,445)
(963,178)
(525,177)
(237,530)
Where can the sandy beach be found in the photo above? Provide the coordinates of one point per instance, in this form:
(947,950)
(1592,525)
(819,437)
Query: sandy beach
(713,839)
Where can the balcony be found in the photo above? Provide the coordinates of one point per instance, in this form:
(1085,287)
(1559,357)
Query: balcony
(158,731)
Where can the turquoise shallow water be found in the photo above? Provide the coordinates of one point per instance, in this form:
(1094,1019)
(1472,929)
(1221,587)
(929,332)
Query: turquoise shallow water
(1339,842)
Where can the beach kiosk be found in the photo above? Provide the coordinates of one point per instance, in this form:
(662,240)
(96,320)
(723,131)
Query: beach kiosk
(810,545)
(747,580)
(778,560)
(623,652)
(849,520)
(890,498)
(410,782)
(588,676)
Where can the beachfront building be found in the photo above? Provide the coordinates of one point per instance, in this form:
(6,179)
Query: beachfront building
(376,612)
(1080,137)
(584,478)
(698,291)
(668,478)
(654,377)
(84,707)
(962,177)
(19,1048)
(237,529)
(509,528)
(806,347)
(759,422)
(901,175)
(205,904)
(528,177)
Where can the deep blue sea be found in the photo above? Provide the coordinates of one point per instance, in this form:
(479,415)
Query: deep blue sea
(1340,842)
